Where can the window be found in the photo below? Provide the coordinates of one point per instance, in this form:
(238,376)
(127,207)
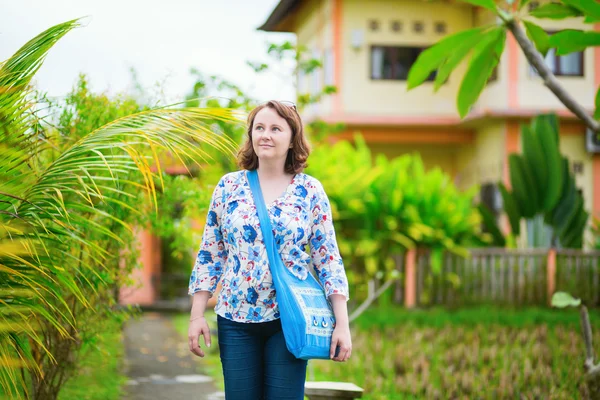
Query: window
(567,65)
(394,62)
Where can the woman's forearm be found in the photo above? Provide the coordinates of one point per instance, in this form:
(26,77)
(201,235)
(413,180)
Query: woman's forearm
(340,309)
(199,302)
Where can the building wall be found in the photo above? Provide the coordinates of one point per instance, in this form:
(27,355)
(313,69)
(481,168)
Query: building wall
(473,162)
(314,29)
(483,161)
(361,94)
(433,156)
(515,86)
(573,147)
(144,289)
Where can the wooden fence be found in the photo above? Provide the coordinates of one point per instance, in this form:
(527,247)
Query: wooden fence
(499,276)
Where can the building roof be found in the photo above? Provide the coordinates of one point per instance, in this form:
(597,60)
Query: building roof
(281,14)
(282,11)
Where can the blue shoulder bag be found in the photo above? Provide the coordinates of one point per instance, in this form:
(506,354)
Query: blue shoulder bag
(307,318)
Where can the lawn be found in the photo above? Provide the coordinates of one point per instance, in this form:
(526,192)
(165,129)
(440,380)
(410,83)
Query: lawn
(483,353)
(99,375)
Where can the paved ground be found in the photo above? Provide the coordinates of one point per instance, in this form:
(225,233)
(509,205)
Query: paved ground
(159,364)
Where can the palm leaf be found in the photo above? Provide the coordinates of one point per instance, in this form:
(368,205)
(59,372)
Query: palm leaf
(45,208)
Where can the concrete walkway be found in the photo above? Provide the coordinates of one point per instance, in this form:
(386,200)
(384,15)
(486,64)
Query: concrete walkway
(159,364)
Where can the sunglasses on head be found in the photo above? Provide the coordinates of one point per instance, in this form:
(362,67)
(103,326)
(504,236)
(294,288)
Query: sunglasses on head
(287,103)
(290,104)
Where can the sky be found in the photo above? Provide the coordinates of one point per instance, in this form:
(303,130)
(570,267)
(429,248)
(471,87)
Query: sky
(161,40)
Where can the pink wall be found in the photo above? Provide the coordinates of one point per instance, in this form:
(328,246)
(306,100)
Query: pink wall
(146,279)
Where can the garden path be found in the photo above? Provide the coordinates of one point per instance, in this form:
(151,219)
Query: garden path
(159,364)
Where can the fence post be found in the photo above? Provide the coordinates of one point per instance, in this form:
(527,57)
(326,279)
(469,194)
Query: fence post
(551,274)
(410,279)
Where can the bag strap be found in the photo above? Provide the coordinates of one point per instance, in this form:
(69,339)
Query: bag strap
(263,217)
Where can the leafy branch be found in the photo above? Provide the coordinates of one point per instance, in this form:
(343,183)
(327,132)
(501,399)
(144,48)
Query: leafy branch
(550,80)
(485,45)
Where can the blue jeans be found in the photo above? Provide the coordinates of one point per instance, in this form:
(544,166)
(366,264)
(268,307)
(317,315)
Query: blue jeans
(256,363)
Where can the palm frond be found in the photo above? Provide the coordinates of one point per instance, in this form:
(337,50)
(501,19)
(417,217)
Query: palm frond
(16,72)
(49,212)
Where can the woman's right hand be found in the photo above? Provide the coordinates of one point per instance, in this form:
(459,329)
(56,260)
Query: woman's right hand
(198,327)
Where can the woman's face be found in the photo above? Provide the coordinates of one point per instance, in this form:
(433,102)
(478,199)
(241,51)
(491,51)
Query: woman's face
(271,135)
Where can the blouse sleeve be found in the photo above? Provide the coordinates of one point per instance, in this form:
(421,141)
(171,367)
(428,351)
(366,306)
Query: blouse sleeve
(212,256)
(325,254)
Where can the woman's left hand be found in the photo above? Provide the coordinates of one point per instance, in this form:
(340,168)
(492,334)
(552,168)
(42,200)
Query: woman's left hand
(341,337)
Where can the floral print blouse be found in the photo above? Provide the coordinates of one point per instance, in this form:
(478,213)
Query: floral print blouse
(233,251)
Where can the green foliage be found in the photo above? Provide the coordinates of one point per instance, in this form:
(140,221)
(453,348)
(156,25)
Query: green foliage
(440,53)
(538,36)
(218,93)
(453,60)
(486,55)
(597,105)
(548,125)
(486,45)
(543,185)
(488,316)
(177,220)
(595,229)
(257,67)
(571,40)
(91,382)
(555,11)
(383,207)
(481,352)
(83,111)
(68,196)
(489,220)
(563,299)
(489,4)
(589,8)
(521,179)
(511,207)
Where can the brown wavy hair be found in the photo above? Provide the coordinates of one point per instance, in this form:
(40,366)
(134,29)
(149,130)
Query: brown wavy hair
(295,161)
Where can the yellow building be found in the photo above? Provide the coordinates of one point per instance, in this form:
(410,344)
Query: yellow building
(367,47)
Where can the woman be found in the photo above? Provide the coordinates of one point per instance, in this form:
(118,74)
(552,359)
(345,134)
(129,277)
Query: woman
(256,362)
